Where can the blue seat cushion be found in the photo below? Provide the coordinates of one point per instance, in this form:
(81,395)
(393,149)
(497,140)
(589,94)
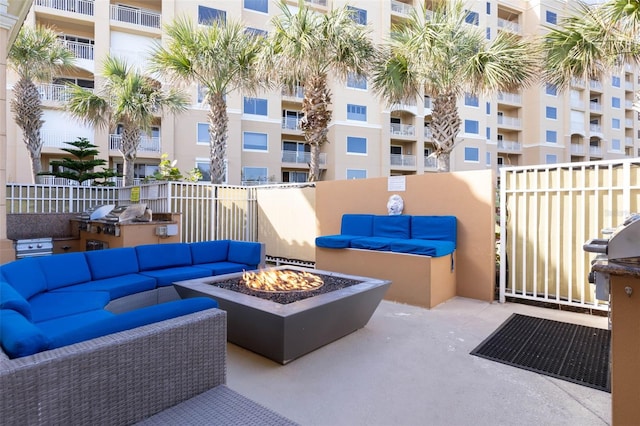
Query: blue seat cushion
(373,243)
(161,256)
(133,319)
(166,277)
(25,276)
(392,226)
(116,287)
(112,262)
(55,328)
(357,224)
(433,248)
(335,241)
(220,268)
(442,228)
(246,252)
(19,336)
(209,251)
(64,270)
(11,299)
(52,304)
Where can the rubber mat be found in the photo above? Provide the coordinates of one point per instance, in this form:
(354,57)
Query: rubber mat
(570,352)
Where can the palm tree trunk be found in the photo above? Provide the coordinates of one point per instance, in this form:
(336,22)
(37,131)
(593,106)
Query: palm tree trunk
(218,130)
(27,110)
(129,150)
(445,127)
(315,123)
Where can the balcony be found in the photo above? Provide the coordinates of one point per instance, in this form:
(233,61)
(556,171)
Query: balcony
(296,94)
(147,144)
(428,133)
(628,122)
(509,121)
(595,151)
(291,123)
(136,16)
(80,50)
(628,86)
(400,8)
(577,83)
(595,85)
(401,160)
(511,146)
(398,129)
(53,92)
(322,3)
(430,163)
(595,106)
(505,24)
(57,139)
(628,141)
(297,157)
(577,149)
(511,98)
(595,129)
(84,7)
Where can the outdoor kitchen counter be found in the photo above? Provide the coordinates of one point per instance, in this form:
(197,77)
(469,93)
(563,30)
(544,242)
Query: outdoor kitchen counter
(625,340)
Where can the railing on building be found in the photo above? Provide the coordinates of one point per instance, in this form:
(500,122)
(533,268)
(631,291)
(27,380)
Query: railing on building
(628,141)
(595,150)
(402,160)
(401,8)
(505,24)
(402,129)
(509,121)
(147,143)
(595,85)
(80,50)
(512,98)
(595,129)
(132,15)
(53,92)
(577,148)
(297,93)
(513,146)
(291,123)
(53,139)
(628,122)
(430,163)
(595,106)
(428,133)
(318,2)
(84,7)
(302,157)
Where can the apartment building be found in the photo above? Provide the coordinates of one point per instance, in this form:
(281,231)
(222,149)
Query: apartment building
(594,120)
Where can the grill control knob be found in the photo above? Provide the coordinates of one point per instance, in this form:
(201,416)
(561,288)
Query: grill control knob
(30,246)
(39,246)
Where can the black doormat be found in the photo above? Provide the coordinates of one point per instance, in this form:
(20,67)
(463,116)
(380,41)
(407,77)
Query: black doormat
(571,352)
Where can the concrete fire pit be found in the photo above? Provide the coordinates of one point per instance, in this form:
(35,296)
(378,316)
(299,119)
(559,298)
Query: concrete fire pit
(284,332)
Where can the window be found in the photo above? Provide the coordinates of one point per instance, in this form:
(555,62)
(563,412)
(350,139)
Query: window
(356,112)
(203,133)
(552,136)
(615,102)
(472,18)
(257,5)
(551,89)
(471,127)
(254,174)
(255,106)
(208,15)
(488,133)
(204,166)
(356,174)
(615,81)
(551,17)
(356,81)
(487,159)
(298,177)
(358,15)
(471,154)
(471,100)
(488,108)
(551,112)
(254,141)
(551,159)
(615,123)
(256,32)
(615,144)
(488,8)
(488,33)
(356,145)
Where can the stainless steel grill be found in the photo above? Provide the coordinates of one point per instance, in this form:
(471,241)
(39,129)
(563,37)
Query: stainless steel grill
(33,247)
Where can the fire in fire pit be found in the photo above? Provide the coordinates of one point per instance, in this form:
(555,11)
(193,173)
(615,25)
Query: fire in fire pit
(280,281)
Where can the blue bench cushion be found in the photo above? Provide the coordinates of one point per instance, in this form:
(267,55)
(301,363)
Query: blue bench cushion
(116,287)
(392,226)
(357,224)
(64,270)
(57,327)
(209,251)
(423,247)
(166,277)
(11,299)
(133,319)
(373,243)
(50,305)
(112,262)
(245,252)
(220,268)
(434,228)
(19,336)
(161,256)
(25,276)
(335,241)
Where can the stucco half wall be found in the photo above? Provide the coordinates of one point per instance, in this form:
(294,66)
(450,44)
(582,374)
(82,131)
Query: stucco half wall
(470,196)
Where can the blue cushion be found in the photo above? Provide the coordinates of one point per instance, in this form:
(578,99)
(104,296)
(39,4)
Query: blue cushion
(55,328)
(245,252)
(434,228)
(132,319)
(63,270)
(160,256)
(372,243)
(20,337)
(166,277)
(11,299)
(335,241)
(116,287)
(53,304)
(392,226)
(112,262)
(209,251)
(220,268)
(25,276)
(357,224)
(431,248)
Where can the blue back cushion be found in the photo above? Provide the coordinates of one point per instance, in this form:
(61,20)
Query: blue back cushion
(159,256)
(442,228)
(112,262)
(11,299)
(62,270)
(19,337)
(245,252)
(209,251)
(25,276)
(357,224)
(392,226)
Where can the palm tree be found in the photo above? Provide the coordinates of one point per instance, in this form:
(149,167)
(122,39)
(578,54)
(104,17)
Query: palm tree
(128,98)
(36,56)
(220,57)
(436,52)
(303,48)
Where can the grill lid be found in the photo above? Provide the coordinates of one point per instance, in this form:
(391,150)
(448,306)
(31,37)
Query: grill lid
(624,242)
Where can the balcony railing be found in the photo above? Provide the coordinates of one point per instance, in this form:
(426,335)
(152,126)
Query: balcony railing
(595,128)
(291,123)
(52,139)
(628,85)
(428,102)
(428,133)
(512,98)
(147,144)
(302,157)
(505,24)
(628,104)
(401,8)
(575,82)
(80,50)
(430,163)
(403,160)
(317,2)
(577,148)
(595,106)
(84,7)
(595,84)
(53,92)
(595,150)
(509,121)
(297,92)
(144,17)
(628,122)
(402,129)
(628,141)
(512,146)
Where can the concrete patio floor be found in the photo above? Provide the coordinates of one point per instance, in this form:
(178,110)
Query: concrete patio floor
(411,366)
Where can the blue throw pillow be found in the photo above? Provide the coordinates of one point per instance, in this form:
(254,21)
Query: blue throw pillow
(19,337)
(11,299)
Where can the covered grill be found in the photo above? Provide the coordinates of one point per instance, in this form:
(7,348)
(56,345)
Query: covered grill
(32,247)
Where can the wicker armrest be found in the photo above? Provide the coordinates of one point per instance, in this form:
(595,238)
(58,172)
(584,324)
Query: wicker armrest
(117,379)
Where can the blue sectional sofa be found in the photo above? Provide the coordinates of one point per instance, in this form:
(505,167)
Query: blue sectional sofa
(53,301)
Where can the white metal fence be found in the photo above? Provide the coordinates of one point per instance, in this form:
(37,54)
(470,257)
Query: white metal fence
(547,213)
(23,198)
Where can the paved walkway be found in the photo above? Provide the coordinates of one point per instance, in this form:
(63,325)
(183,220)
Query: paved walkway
(411,366)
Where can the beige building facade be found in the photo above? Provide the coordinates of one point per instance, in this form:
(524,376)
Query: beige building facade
(593,120)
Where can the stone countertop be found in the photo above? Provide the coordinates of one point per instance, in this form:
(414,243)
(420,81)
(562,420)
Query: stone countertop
(631,269)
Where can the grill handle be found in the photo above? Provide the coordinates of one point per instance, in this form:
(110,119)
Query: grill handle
(596,245)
